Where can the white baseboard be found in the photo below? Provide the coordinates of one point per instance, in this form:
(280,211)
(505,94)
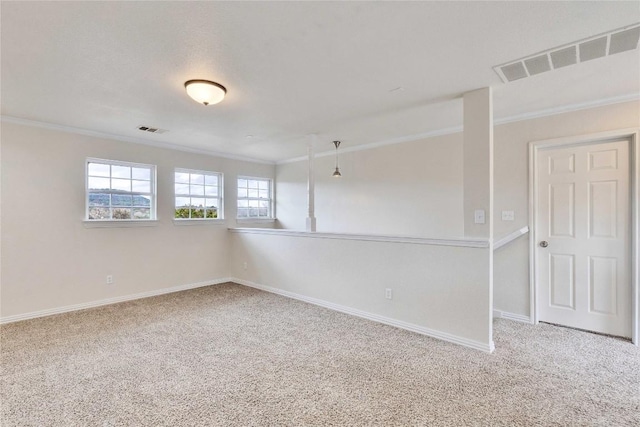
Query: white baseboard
(108,301)
(511,316)
(374,317)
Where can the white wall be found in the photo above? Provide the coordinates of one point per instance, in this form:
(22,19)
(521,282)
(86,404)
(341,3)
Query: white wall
(411,189)
(421,194)
(49,258)
(430,290)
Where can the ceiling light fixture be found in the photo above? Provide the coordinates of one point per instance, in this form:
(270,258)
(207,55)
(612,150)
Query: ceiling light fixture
(205,92)
(336,173)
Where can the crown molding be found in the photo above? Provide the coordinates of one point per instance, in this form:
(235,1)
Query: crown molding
(399,140)
(569,108)
(456,129)
(369,146)
(105,135)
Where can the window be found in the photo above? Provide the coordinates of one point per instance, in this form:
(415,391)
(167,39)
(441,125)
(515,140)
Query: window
(254,198)
(198,194)
(120,190)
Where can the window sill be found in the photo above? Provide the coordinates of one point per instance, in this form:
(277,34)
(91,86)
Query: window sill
(215,221)
(120,223)
(255,220)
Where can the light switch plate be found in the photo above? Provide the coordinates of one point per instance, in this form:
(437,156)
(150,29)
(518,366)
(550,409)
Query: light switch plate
(508,216)
(478,216)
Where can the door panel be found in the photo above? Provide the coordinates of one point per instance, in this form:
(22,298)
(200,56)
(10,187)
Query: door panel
(561,207)
(583,212)
(602,285)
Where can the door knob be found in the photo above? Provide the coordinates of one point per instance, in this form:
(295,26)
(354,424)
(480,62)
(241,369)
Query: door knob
(544,244)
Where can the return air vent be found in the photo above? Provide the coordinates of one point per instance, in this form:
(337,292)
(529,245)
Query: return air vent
(616,41)
(151,129)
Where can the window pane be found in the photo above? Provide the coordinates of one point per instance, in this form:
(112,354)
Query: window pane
(99,213)
(120,172)
(99,199)
(182,189)
(197,202)
(242,183)
(211,203)
(181,213)
(264,203)
(242,212)
(121,213)
(243,203)
(197,190)
(253,212)
(182,202)
(211,191)
(264,194)
(141,186)
(242,192)
(141,173)
(263,212)
(211,213)
(141,201)
(99,183)
(253,193)
(254,203)
(253,183)
(197,178)
(182,177)
(111,198)
(264,185)
(141,213)
(121,184)
(211,180)
(99,169)
(121,200)
(197,213)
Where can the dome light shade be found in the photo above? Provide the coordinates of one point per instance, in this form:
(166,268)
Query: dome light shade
(205,92)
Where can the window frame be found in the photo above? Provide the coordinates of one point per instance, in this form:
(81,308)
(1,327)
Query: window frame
(153,211)
(220,197)
(271,214)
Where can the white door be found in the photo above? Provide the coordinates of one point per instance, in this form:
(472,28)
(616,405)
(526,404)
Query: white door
(583,237)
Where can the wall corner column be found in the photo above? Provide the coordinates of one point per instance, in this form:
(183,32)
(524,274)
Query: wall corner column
(311,182)
(478,183)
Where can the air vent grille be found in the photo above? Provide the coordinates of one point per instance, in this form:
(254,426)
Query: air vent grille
(151,129)
(616,41)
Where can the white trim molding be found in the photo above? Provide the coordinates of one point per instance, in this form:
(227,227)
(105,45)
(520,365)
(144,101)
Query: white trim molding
(119,223)
(510,237)
(632,135)
(109,301)
(467,243)
(499,314)
(488,348)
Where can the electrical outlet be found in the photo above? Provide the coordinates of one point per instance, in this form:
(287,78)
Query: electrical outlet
(508,216)
(388,293)
(244,265)
(110,280)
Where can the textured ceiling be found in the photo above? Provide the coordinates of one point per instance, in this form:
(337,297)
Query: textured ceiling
(294,68)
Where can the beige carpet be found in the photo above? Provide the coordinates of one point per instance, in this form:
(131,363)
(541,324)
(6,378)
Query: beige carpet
(229,355)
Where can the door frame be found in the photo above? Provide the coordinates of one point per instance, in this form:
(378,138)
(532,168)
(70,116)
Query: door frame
(634,154)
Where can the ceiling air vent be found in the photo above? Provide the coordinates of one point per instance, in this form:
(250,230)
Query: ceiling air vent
(563,57)
(537,65)
(151,129)
(624,40)
(593,49)
(615,41)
